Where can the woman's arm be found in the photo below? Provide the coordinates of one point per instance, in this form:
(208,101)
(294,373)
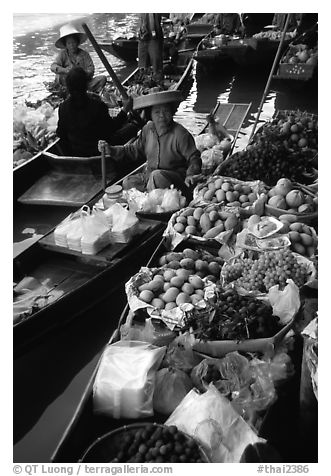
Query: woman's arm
(57,66)
(88,65)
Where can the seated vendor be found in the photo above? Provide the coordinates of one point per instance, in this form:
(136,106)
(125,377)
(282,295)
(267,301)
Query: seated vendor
(167,147)
(72,55)
(84,119)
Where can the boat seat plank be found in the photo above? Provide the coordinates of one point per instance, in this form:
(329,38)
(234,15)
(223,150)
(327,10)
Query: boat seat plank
(62,189)
(232,115)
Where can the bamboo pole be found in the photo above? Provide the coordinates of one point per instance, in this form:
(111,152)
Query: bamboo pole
(105,62)
(266,89)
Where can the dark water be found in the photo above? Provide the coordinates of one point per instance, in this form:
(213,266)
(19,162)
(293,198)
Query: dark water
(49,380)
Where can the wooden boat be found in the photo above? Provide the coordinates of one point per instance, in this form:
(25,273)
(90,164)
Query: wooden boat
(49,185)
(242,52)
(85,426)
(126,49)
(74,281)
(66,283)
(295,75)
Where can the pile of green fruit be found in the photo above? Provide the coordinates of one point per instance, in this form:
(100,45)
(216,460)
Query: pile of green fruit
(157,444)
(233,317)
(201,263)
(266,270)
(221,190)
(170,288)
(206,222)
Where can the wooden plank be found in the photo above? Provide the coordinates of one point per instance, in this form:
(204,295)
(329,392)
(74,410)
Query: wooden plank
(62,189)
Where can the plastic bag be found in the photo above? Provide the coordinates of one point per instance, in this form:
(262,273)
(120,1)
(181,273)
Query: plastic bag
(95,234)
(172,200)
(171,386)
(211,158)
(205,141)
(286,303)
(214,423)
(180,354)
(154,333)
(124,384)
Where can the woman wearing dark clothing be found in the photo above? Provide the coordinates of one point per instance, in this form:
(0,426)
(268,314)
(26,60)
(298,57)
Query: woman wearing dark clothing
(84,119)
(150,45)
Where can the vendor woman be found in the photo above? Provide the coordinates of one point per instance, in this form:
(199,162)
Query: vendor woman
(71,55)
(167,147)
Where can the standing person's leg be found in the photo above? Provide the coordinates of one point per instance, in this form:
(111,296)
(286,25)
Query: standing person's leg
(155,50)
(143,56)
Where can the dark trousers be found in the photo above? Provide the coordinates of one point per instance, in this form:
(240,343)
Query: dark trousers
(150,53)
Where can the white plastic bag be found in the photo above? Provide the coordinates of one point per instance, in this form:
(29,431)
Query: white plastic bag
(213,422)
(286,303)
(124,384)
(172,200)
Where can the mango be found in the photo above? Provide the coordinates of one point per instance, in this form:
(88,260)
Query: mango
(211,186)
(188,212)
(208,195)
(246,204)
(299,248)
(173,256)
(229,196)
(191,221)
(170,295)
(235,195)
(306,229)
(230,222)
(166,286)
(177,282)
(188,288)
(179,227)
(173,264)
(213,215)
(155,285)
(252,197)
(182,298)
(310,250)
(218,183)
(246,189)
(192,254)
(183,273)
(234,204)
(182,220)
(196,282)
(191,230)
(237,187)
(214,231)
(220,195)
(288,217)
(170,305)
(187,263)
(201,265)
(200,292)
(197,213)
(158,303)
(243,198)
(143,287)
(306,240)
(163,260)
(226,187)
(294,236)
(296,227)
(146,296)
(168,274)
(205,223)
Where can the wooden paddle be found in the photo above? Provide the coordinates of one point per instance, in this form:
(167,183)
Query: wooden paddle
(105,62)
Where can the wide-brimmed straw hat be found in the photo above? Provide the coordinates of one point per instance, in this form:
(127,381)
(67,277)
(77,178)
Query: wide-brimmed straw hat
(154,99)
(69,29)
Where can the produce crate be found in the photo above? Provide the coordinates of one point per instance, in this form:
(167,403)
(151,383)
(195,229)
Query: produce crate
(296,71)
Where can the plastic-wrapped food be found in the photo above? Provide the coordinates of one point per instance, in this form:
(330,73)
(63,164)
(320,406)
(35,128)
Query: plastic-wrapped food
(124,384)
(211,158)
(206,141)
(171,386)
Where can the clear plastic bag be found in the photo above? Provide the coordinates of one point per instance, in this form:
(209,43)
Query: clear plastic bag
(124,384)
(214,423)
(180,355)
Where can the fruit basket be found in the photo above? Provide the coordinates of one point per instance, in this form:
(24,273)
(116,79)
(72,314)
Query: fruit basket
(298,62)
(140,443)
(205,224)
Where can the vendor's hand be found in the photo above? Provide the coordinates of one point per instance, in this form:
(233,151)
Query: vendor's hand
(103,146)
(127,104)
(190,180)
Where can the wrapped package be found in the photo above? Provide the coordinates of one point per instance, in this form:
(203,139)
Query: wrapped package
(124,384)
(212,421)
